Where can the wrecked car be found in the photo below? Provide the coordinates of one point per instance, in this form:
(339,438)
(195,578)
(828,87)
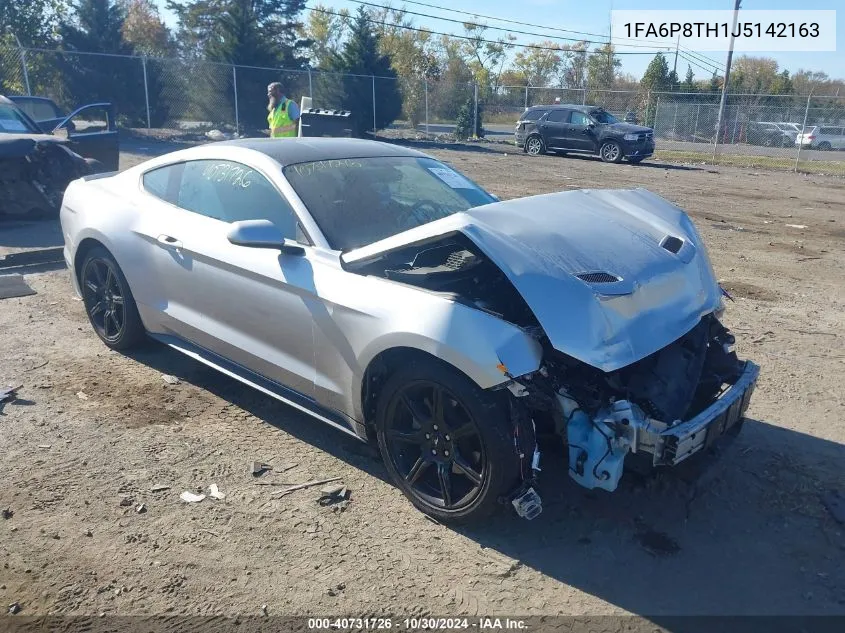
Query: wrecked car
(387,295)
(35,167)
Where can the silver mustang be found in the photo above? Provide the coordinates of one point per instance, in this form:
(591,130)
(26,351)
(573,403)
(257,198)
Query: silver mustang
(386,294)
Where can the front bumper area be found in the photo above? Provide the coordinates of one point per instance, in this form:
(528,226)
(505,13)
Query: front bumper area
(683,440)
(598,445)
(638,149)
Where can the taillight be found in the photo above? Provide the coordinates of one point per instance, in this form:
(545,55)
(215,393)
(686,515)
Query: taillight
(812,138)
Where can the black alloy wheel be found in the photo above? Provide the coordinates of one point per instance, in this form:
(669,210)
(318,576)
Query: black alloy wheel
(435,445)
(108,301)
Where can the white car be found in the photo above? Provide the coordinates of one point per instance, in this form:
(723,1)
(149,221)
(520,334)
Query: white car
(386,294)
(822,137)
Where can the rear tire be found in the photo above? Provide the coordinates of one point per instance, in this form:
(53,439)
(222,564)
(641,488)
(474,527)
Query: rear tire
(824,146)
(108,301)
(534,145)
(611,152)
(447,444)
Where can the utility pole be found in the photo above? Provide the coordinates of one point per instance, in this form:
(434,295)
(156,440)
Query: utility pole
(727,78)
(677,46)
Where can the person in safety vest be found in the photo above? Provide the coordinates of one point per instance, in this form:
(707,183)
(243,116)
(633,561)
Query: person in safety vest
(283,117)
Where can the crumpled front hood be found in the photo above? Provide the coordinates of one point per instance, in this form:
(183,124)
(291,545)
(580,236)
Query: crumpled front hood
(17,145)
(542,242)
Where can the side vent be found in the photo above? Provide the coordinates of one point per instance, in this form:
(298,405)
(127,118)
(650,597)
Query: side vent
(598,278)
(672,244)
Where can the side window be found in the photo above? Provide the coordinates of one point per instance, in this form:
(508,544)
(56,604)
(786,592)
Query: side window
(157,182)
(90,121)
(558,116)
(579,118)
(533,115)
(231,192)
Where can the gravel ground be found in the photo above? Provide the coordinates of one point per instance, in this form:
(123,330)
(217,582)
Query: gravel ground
(93,433)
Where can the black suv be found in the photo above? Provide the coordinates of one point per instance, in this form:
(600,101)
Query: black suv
(576,128)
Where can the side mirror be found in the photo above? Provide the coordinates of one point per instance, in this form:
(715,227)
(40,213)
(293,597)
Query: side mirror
(262,234)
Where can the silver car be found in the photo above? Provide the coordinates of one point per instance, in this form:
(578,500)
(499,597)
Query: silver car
(389,296)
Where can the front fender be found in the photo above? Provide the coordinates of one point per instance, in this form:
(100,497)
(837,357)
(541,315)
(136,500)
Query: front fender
(475,343)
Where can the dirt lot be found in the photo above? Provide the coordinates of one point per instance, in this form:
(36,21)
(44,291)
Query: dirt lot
(94,428)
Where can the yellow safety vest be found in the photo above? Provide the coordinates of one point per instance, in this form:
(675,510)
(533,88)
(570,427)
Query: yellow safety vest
(281,125)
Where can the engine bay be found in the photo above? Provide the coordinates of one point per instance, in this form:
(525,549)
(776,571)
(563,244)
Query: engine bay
(456,268)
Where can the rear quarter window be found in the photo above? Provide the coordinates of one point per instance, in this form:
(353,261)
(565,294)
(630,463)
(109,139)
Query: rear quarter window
(158,183)
(533,115)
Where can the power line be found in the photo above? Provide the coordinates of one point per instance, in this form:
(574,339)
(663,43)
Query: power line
(475,39)
(691,60)
(709,61)
(495,28)
(702,58)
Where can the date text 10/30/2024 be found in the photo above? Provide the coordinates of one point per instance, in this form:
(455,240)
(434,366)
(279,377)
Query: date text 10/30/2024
(412,624)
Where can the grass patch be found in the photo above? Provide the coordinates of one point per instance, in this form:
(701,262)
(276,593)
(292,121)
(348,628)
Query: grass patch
(764,162)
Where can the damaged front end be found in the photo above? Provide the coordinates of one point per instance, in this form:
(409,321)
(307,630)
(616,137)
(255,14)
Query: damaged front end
(34,173)
(669,405)
(617,288)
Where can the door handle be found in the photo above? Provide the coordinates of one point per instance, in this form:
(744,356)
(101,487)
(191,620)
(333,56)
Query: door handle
(169,242)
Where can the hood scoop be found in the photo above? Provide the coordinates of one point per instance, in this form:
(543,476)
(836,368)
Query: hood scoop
(600,277)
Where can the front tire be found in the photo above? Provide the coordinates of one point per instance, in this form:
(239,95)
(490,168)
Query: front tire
(534,145)
(611,152)
(108,301)
(447,444)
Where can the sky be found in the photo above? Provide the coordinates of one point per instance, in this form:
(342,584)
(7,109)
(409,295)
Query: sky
(594,17)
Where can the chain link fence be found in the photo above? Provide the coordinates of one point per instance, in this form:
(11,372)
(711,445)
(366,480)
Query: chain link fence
(780,131)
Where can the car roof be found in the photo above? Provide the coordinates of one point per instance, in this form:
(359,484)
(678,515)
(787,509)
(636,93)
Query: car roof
(27,97)
(288,151)
(566,106)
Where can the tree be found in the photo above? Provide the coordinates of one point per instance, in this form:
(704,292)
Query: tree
(602,66)
(539,66)
(325,31)
(34,23)
(485,58)
(465,119)
(144,30)
(689,81)
(715,83)
(263,34)
(573,70)
(455,79)
(656,76)
(96,26)
(361,57)
(248,32)
(673,80)
(413,56)
(758,76)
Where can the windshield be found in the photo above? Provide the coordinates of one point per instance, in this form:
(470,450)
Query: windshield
(603,117)
(358,201)
(12,121)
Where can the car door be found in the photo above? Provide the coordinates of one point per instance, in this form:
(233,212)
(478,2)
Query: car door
(253,306)
(553,128)
(92,133)
(580,132)
(838,140)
